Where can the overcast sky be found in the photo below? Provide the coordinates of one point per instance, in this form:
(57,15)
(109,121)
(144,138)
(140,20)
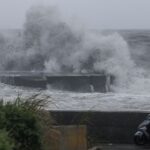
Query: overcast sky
(95,14)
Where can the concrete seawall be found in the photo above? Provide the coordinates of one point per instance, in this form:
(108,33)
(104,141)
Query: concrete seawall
(109,127)
(77,83)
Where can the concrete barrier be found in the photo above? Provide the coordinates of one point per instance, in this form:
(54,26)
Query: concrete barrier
(69,138)
(73,82)
(26,81)
(109,127)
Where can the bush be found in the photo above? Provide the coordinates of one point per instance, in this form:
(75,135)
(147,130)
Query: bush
(6,142)
(24,121)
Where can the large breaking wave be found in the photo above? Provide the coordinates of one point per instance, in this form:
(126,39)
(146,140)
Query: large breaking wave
(47,43)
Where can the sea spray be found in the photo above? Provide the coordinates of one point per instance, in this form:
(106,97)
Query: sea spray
(48,43)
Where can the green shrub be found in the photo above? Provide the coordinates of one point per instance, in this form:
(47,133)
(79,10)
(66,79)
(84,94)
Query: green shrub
(6,142)
(23,128)
(24,121)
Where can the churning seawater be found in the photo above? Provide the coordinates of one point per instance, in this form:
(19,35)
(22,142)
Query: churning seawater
(47,43)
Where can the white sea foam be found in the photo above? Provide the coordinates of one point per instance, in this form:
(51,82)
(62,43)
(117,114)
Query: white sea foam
(50,44)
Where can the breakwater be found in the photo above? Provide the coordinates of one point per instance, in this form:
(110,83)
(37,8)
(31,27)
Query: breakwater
(69,82)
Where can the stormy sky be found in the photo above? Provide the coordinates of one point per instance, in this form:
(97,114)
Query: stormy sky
(94,14)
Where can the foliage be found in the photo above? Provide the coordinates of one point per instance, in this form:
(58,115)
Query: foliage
(6,142)
(24,121)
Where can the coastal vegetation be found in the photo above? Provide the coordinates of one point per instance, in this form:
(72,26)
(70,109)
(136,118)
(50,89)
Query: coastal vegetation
(24,124)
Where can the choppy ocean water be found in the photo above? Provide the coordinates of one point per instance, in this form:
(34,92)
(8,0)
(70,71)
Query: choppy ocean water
(132,91)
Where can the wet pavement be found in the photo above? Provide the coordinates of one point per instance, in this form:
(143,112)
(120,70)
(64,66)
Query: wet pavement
(120,147)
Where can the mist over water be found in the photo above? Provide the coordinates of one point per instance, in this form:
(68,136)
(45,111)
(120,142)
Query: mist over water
(48,43)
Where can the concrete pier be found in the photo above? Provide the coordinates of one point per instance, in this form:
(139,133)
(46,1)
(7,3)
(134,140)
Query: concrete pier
(69,82)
